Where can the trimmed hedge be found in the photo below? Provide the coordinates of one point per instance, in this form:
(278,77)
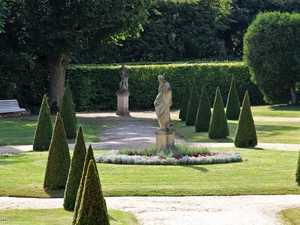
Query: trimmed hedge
(185,101)
(203,113)
(94,86)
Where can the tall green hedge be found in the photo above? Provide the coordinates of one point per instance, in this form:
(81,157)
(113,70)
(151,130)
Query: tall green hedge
(94,86)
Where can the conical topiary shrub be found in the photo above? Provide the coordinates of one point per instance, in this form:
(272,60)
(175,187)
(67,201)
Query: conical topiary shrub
(185,101)
(192,107)
(92,208)
(67,114)
(233,102)
(298,170)
(245,136)
(75,172)
(58,163)
(71,100)
(218,127)
(203,113)
(43,132)
(89,156)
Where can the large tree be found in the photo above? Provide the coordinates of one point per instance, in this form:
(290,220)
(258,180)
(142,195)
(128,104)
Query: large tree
(57,28)
(271,51)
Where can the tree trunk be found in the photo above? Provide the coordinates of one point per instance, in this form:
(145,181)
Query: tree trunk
(294,98)
(57,68)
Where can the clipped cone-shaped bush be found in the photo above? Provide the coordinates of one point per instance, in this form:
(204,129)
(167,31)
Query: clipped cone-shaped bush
(233,102)
(75,172)
(185,101)
(58,163)
(245,136)
(203,113)
(92,208)
(218,127)
(69,92)
(89,156)
(192,107)
(298,170)
(67,111)
(43,132)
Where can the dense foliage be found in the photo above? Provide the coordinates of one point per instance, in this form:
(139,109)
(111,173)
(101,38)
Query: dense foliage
(204,112)
(43,132)
(75,172)
(218,127)
(245,136)
(58,163)
(272,52)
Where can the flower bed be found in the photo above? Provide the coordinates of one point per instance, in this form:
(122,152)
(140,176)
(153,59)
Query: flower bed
(213,157)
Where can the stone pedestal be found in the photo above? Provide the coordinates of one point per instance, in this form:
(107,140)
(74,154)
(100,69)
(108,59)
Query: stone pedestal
(123,99)
(164,140)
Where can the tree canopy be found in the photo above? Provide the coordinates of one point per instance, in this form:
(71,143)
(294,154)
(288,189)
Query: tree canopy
(272,53)
(56,28)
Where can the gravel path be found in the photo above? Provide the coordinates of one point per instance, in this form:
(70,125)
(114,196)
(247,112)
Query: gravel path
(205,210)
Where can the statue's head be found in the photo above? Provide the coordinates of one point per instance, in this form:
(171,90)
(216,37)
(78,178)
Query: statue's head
(161,78)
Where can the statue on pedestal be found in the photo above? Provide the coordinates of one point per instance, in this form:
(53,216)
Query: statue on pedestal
(124,80)
(162,104)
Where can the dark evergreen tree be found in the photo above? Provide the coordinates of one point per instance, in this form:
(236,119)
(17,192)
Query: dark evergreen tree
(185,101)
(92,208)
(89,156)
(298,170)
(58,163)
(75,172)
(67,112)
(43,132)
(192,107)
(233,102)
(245,136)
(204,112)
(218,127)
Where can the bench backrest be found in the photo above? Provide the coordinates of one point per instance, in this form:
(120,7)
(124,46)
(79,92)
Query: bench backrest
(10,105)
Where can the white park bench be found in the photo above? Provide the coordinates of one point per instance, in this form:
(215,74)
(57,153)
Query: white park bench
(10,106)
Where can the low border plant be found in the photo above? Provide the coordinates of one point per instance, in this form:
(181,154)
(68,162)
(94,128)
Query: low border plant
(179,155)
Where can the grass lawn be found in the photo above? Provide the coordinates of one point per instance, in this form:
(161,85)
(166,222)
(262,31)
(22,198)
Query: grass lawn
(276,110)
(291,216)
(267,132)
(23,175)
(21,132)
(57,217)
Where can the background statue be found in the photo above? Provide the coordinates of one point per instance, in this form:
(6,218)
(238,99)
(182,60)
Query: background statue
(124,80)
(162,104)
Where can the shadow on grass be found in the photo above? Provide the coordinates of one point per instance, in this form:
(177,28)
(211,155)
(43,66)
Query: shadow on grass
(195,167)
(286,107)
(55,193)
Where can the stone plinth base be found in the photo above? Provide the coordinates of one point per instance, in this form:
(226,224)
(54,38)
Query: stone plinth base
(164,140)
(123,104)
